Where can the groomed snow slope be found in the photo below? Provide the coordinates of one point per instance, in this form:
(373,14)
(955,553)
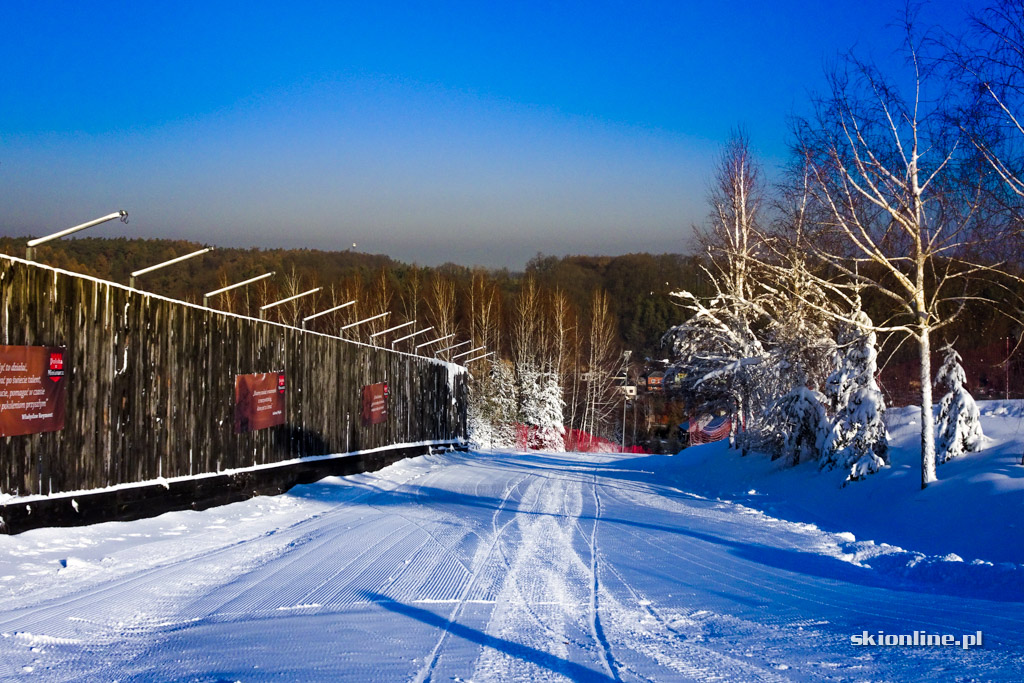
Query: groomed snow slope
(483,567)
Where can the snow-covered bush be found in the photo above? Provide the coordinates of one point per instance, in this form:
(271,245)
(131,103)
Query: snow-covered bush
(958,429)
(744,349)
(719,357)
(795,426)
(858,441)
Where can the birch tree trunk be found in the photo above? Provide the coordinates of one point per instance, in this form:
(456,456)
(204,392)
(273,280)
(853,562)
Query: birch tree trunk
(889,199)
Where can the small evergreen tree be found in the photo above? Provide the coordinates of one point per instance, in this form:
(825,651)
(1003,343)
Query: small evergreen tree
(492,408)
(481,432)
(505,402)
(542,412)
(795,426)
(858,441)
(958,429)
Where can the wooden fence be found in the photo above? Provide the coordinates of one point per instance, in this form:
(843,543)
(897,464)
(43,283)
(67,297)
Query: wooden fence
(151,382)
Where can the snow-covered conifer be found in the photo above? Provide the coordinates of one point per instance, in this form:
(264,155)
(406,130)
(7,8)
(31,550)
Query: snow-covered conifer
(858,441)
(958,429)
(492,408)
(505,401)
(795,426)
(542,410)
(481,432)
(721,359)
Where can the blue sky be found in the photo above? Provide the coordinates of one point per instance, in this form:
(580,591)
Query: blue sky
(479,133)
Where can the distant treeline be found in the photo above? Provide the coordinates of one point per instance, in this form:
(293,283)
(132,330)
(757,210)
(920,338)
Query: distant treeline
(637,285)
(637,288)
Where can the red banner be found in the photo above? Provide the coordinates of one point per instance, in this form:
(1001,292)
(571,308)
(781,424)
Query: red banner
(708,428)
(259,401)
(375,403)
(32,389)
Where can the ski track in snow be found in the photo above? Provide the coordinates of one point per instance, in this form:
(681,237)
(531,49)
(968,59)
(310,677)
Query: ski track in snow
(479,567)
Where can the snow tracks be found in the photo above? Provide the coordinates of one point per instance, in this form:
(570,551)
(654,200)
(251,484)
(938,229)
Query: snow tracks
(481,566)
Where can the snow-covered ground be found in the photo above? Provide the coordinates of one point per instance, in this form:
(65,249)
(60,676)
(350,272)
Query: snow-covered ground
(975,510)
(495,566)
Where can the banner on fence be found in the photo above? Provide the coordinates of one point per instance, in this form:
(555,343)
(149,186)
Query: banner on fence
(375,403)
(32,393)
(709,428)
(259,401)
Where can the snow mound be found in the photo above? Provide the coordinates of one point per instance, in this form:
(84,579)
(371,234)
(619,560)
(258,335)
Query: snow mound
(946,574)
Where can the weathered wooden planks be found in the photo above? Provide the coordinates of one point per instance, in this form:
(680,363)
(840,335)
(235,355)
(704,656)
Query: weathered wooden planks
(151,387)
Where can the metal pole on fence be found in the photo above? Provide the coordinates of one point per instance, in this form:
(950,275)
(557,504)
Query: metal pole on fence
(30,251)
(365,320)
(206,297)
(263,309)
(466,353)
(392,329)
(453,346)
(410,336)
(170,262)
(434,341)
(329,310)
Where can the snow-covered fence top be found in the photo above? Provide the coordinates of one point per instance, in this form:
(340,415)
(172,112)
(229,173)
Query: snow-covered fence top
(150,387)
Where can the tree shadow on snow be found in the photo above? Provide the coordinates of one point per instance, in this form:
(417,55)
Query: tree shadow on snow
(572,670)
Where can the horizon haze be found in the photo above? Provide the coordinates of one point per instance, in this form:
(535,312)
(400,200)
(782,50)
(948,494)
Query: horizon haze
(474,134)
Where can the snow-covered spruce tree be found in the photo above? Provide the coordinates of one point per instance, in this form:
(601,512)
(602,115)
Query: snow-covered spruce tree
(505,406)
(958,429)
(492,408)
(481,432)
(542,411)
(799,331)
(795,426)
(858,441)
(839,384)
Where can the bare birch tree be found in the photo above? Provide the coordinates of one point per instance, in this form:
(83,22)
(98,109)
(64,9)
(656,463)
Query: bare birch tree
(351,290)
(989,61)
(563,350)
(716,346)
(485,312)
(526,325)
(291,312)
(733,240)
(882,168)
(441,305)
(411,293)
(603,364)
(378,302)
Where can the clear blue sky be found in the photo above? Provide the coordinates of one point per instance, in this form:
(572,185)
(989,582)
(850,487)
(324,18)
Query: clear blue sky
(474,132)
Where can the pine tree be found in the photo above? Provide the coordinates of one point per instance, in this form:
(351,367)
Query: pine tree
(958,429)
(858,440)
